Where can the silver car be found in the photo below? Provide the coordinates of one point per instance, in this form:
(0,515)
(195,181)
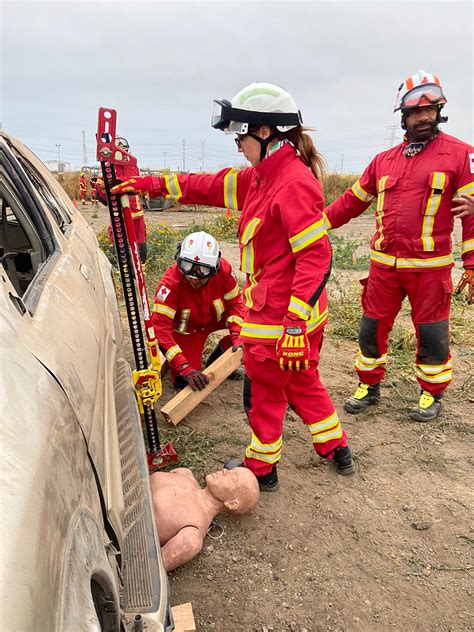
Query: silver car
(79,549)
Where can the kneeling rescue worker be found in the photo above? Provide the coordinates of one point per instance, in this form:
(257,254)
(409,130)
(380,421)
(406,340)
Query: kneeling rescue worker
(414,185)
(197,295)
(286,255)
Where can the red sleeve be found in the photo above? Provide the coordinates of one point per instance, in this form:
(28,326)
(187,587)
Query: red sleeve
(226,189)
(234,307)
(300,207)
(354,201)
(465,186)
(164,310)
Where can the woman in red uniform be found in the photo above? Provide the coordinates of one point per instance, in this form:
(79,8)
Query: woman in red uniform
(286,255)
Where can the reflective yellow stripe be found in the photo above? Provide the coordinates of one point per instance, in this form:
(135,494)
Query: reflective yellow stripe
(361,193)
(300,308)
(230,189)
(308,236)
(403,263)
(248,291)
(327,223)
(439,378)
(184,320)
(369,364)
(267,452)
(326,429)
(467,246)
(467,189)
(172,185)
(437,187)
(248,255)
(232,294)
(219,307)
(164,309)
(273,332)
(433,369)
(172,352)
(234,319)
(136,214)
(379,210)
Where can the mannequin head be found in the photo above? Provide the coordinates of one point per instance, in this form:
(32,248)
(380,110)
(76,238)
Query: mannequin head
(237,489)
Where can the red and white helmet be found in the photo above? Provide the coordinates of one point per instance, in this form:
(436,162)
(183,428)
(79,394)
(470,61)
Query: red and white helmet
(421,89)
(198,255)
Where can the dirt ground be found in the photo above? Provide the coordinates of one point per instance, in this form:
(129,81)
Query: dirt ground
(390,548)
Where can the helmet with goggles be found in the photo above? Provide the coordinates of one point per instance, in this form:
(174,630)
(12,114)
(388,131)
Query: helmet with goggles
(122,142)
(420,90)
(255,105)
(198,255)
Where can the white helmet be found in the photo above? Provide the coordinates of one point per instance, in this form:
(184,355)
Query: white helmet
(418,90)
(122,142)
(198,255)
(257,104)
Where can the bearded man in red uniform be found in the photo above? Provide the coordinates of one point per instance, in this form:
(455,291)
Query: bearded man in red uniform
(414,185)
(197,295)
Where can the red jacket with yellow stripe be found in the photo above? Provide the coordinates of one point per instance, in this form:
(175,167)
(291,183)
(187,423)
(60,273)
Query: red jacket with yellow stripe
(180,308)
(284,247)
(413,197)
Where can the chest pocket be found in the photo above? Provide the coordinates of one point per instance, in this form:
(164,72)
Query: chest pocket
(383,185)
(247,254)
(438,183)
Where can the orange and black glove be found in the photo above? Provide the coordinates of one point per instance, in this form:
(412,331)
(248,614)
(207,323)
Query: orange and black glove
(467,280)
(139,184)
(292,346)
(196,380)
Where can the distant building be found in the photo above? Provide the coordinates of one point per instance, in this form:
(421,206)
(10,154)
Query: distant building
(58,167)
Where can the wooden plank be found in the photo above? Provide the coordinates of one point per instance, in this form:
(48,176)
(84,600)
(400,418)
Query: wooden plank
(183,618)
(184,402)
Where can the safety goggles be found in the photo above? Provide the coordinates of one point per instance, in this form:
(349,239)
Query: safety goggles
(121,142)
(426,94)
(230,119)
(195,270)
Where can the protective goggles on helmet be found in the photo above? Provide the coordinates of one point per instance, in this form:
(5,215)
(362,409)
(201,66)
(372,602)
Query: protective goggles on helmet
(195,270)
(426,94)
(122,142)
(230,119)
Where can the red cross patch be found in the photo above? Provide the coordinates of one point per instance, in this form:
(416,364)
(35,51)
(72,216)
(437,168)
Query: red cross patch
(162,293)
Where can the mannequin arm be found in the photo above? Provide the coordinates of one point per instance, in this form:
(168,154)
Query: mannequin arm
(184,547)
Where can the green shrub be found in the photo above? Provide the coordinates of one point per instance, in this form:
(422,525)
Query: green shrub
(344,254)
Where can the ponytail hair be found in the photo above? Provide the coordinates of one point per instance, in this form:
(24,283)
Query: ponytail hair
(306,149)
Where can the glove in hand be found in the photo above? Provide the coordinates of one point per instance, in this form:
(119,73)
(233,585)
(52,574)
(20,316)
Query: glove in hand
(138,184)
(292,346)
(467,280)
(196,380)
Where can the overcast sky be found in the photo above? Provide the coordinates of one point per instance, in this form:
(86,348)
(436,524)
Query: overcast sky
(161,64)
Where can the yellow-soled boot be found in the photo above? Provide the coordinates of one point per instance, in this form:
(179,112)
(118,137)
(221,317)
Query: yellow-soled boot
(428,407)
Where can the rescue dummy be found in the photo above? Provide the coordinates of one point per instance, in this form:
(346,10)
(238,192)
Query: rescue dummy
(82,188)
(286,256)
(413,186)
(197,295)
(184,511)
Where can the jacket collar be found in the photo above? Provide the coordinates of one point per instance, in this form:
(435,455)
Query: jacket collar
(275,162)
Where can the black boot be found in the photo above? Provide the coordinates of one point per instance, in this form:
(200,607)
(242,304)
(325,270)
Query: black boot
(343,460)
(267,482)
(427,409)
(364,396)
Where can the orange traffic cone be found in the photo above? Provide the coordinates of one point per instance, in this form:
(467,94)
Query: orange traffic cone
(227,213)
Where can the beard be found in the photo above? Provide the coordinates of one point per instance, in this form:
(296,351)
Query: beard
(421,131)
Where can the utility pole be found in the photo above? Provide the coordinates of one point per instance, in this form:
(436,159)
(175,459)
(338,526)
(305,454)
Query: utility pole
(184,154)
(201,158)
(164,159)
(392,129)
(84,151)
(342,162)
(59,155)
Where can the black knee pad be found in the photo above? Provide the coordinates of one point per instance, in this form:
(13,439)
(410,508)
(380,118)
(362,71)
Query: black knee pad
(143,250)
(433,342)
(368,337)
(247,393)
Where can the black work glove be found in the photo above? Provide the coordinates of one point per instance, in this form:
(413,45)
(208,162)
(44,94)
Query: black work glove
(196,380)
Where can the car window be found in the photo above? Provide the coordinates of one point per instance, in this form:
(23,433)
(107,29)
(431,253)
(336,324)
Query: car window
(22,251)
(57,208)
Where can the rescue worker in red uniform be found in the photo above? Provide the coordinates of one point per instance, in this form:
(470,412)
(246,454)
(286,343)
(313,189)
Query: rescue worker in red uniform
(286,255)
(82,188)
(197,295)
(93,185)
(124,172)
(414,185)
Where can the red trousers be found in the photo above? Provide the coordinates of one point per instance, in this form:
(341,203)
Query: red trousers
(267,393)
(192,346)
(429,293)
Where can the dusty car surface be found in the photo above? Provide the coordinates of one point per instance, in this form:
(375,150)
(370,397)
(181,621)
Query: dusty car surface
(78,542)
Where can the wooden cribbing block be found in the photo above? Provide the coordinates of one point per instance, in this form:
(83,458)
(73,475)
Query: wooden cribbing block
(183,618)
(184,402)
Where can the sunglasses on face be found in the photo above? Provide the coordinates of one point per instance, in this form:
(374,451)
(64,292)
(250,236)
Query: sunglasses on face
(238,140)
